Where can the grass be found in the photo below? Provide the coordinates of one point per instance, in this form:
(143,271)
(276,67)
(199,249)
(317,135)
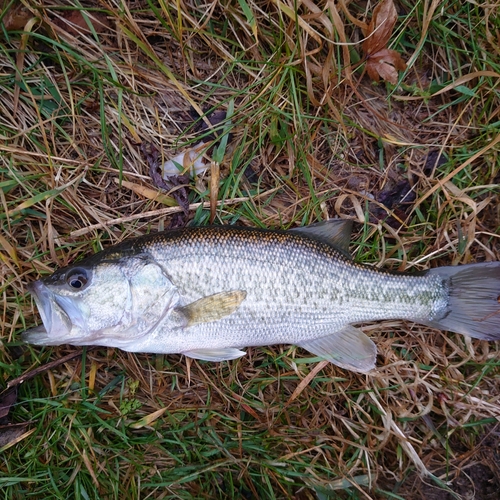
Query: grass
(308,142)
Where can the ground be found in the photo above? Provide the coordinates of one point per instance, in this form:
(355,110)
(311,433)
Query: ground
(97,96)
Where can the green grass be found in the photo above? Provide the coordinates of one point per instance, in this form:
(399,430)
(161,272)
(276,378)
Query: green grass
(74,108)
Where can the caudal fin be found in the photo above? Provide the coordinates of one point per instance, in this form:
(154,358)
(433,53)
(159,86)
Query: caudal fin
(474,306)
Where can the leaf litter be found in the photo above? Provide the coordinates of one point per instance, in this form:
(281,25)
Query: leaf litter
(382,62)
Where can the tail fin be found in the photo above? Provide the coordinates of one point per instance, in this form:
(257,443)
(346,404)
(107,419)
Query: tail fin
(474,304)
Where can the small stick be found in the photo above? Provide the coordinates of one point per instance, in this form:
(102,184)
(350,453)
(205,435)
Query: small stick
(48,366)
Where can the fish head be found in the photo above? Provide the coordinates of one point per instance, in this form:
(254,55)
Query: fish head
(112,302)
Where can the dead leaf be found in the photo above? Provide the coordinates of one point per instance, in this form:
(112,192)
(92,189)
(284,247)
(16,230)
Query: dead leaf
(13,433)
(10,434)
(8,398)
(148,419)
(75,24)
(394,203)
(16,17)
(382,62)
(10,249)
(380,28)
(151,194)
(176,185)
(385,64)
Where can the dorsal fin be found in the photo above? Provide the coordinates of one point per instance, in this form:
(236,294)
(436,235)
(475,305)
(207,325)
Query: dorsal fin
(335,232)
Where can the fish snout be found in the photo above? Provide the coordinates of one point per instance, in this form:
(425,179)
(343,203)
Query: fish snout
(56,322)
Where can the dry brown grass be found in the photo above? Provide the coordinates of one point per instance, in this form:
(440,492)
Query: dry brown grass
(323,141)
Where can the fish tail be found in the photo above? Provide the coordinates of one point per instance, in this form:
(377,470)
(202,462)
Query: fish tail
(474,300)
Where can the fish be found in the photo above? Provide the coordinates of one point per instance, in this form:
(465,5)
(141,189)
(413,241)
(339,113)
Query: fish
(209,292)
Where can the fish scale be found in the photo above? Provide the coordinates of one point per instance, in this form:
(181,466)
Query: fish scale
(296,286)
(208,292)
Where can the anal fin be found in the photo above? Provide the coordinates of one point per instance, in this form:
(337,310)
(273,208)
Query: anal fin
(348,348)
(215,354)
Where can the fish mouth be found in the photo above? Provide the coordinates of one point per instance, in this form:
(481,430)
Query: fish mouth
(56,322)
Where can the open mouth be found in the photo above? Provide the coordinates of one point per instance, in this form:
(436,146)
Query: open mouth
(56,323)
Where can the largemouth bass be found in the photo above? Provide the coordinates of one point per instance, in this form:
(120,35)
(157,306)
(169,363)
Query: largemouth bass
(208,292)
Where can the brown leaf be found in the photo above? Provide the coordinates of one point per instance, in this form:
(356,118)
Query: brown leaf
(75,24)
(380,28)
(12,433)
(8,398)
(385,64)
(382,62)
(16,17)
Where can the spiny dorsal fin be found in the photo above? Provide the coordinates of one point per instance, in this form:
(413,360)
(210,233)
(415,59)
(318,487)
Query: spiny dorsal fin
(335,232)
(211,308)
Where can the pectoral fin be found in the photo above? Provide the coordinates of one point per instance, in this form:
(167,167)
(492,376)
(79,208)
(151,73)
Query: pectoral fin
(211,308)
(348,348)
(215,354)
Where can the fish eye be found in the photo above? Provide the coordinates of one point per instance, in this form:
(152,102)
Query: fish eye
(77,278)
